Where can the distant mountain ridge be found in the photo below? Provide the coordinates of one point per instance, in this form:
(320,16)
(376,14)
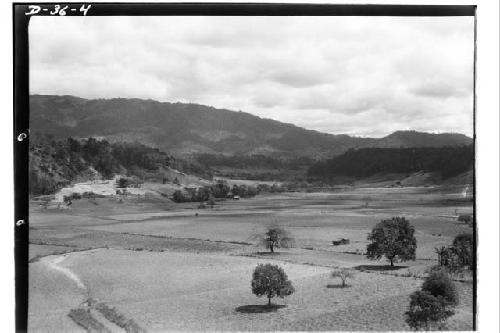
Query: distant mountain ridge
(186,129)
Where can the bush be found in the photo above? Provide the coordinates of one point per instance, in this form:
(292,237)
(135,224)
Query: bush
(439,284)
(123,182)
(178,196)
(465,218)
(271,280)
(76,196)
(69,198)
(343,274)
(427,310)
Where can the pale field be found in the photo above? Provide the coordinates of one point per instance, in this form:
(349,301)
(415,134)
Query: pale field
(191,272)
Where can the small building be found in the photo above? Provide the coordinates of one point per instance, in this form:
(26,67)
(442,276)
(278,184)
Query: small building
(342,241)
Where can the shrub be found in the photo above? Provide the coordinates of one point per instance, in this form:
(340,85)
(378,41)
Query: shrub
(343,274)
(179,197)
(466,218)
(271,280)
(67,199)
(439,284)
(427,310)
(75,196)
(123,182)
(393,239)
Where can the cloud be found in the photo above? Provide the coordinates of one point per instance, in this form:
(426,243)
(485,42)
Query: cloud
(355,75)
(440,90)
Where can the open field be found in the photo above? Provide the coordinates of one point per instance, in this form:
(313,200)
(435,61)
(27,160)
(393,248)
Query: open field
(175,267)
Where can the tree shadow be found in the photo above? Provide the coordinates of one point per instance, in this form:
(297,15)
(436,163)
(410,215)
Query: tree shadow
(268,253)
(259,308)
(338,286)
(378,268)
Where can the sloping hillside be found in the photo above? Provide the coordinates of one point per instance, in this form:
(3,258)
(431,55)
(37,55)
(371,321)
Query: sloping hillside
(54,164)
(446,161)
(408,139)
(186,129)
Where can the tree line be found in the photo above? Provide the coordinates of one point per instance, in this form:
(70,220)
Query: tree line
(219,190)
(365,162)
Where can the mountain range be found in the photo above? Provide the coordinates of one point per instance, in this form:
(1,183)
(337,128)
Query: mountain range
(186,129)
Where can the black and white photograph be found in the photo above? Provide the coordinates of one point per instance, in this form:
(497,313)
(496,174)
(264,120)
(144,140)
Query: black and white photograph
(270,170)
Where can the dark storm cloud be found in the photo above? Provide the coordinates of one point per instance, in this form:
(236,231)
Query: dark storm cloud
(355,75)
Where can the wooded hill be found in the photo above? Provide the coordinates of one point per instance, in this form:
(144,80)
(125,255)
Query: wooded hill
(365,162)
(187,129)
(56,163)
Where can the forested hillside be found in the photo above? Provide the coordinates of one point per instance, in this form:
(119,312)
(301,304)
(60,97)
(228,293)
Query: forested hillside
(56,163)
(365,162)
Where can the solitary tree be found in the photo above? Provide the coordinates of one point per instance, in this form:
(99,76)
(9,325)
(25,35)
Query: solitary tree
(276,237)
(427,310)
(271,280)
(393,239)
(343,274)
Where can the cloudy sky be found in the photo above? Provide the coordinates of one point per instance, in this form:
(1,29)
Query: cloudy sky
(364,76)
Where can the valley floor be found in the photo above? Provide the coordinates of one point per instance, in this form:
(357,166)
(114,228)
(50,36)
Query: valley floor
(175,267)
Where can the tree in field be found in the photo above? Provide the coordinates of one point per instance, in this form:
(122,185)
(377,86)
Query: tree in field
(444,255)
(463,249)
(343,274)
(393,239)
(271,280)
(427,310)
(276,237)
